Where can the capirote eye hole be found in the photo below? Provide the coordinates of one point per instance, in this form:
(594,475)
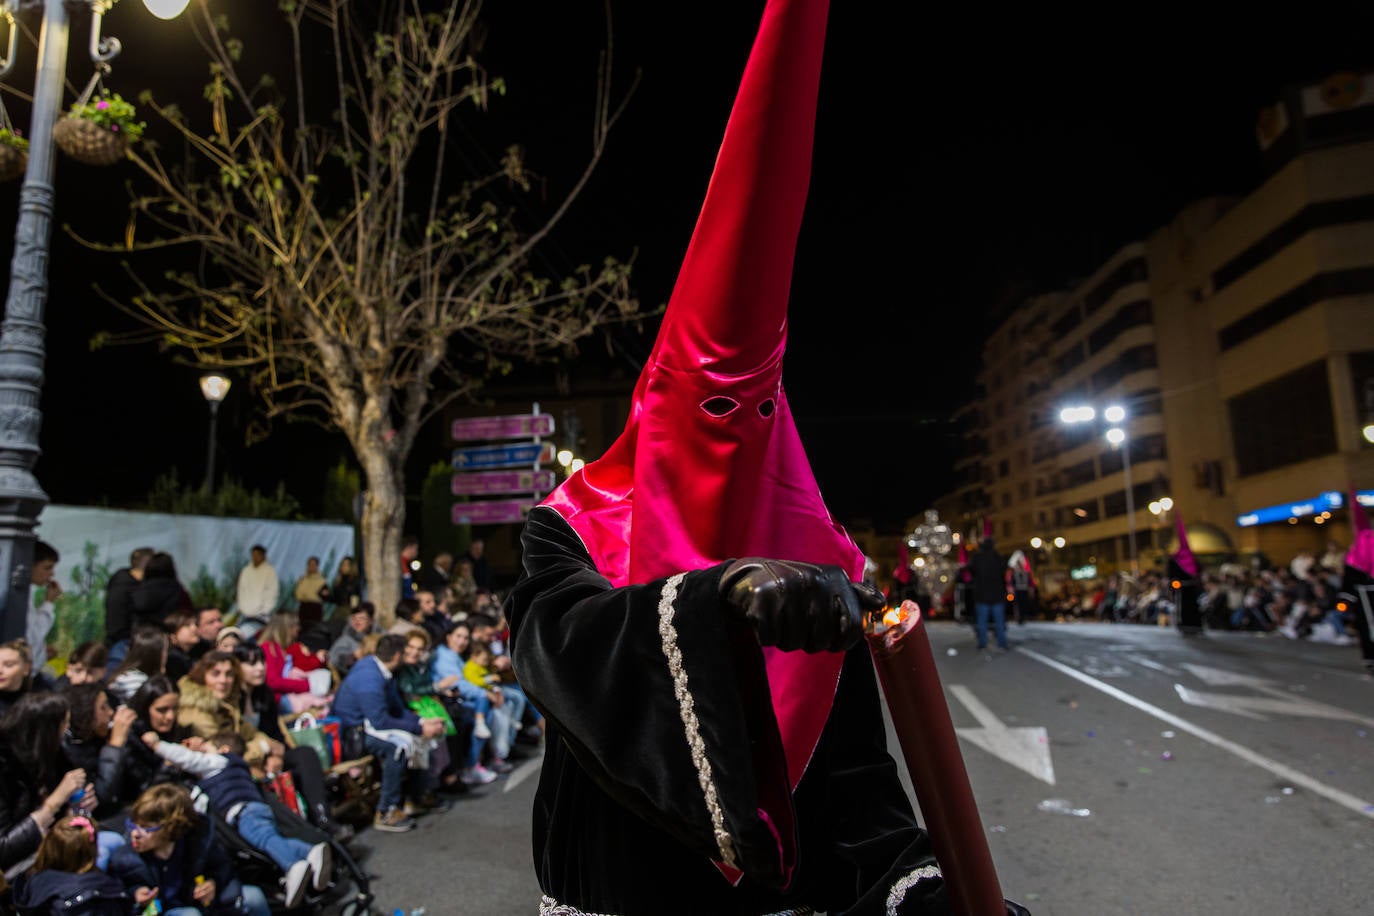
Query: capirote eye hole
(766,408)
(719,405)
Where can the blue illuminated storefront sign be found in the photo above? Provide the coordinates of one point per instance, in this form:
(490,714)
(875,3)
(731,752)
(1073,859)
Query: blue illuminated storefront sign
(1327,501)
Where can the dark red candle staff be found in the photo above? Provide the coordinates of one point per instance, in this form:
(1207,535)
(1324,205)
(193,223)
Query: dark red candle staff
(906,669)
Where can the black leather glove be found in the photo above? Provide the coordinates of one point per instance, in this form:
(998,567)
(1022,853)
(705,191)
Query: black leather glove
(794,605)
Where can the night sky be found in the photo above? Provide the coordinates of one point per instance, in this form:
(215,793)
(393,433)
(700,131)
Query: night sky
(963,159)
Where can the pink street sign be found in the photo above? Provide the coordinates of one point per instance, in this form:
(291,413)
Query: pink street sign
(491,512)
(476,429)
(488,483)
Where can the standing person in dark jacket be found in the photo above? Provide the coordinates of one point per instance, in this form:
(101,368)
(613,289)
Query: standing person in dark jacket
(990,593)
(36,787)
(170,848)
(119,604)
(161,593)
(98,742)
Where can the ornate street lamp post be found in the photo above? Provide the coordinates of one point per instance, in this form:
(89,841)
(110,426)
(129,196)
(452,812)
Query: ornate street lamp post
(22,332)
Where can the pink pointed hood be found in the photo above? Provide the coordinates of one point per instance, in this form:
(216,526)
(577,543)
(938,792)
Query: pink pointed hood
(1184,556)
(710,466)
(903,571)
(1361,553)
(1359,519)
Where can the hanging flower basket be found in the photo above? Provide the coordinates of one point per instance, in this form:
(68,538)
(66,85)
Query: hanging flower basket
(14,155)
(98,132)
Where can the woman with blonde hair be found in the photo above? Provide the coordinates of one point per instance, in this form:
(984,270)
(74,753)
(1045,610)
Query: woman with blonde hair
(289,663)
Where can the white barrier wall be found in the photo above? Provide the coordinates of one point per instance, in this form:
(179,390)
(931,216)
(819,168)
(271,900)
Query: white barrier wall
(209,552)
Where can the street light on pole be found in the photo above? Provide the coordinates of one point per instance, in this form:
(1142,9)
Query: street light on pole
(21,334)
(1116,435)
(215,388)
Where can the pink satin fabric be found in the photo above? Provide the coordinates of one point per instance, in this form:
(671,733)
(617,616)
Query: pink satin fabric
(1184,556)
(1361,553)
(682,489)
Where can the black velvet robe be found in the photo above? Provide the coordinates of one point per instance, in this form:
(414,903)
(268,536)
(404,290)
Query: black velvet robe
(621,824)
(1359,586)
(1186,598)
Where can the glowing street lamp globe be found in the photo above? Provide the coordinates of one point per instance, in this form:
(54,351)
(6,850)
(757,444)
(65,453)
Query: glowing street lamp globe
(1114,414)
(1116,435)
(166,9)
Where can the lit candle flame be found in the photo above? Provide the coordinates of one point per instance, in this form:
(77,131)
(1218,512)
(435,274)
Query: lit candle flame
(894,616)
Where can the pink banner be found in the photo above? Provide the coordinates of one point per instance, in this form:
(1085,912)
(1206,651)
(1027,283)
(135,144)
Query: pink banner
(477,429)
(491,512)
(490,483)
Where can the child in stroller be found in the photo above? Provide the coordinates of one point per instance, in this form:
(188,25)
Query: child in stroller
(233,797)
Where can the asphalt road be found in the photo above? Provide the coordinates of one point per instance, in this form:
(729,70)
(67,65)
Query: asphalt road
(1229,773)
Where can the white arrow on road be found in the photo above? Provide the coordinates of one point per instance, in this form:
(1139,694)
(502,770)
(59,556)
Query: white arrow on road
(1276,702)
(1024,748)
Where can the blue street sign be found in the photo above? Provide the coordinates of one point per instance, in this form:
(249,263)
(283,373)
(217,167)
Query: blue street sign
(502,456)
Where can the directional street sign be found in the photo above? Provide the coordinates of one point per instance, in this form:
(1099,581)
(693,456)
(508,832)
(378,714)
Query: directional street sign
(488,483)
(502,456)
(492,512)
(520,426)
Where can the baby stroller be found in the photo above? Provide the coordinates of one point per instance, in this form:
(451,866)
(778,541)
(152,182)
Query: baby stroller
(348,891)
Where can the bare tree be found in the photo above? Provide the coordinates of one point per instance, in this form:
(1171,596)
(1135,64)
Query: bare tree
(346,270)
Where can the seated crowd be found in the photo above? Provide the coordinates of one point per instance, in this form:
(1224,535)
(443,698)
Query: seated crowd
(118,777)
(1300,601)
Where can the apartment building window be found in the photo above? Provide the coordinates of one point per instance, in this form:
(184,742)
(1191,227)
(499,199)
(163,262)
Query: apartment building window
(1078,474)
(1133,271)
(1025,491)
(1070,358)
(1143,448)
(1067,321)
(1006,500)
(999,410)
(1136,359)
(1284,421)
(1085,512)
(1003,468)
(1315,215)
(1146,403)
(1130,315)
(1356,281)
(1114,504)
(1362,374)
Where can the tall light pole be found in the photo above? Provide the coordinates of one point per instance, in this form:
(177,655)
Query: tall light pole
(22,332)
(214,387)
(1116,435)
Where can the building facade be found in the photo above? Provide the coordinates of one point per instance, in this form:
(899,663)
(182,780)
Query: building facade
(1240,341)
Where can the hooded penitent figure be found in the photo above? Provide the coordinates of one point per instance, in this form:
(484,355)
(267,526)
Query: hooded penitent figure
(1358,590)
(1184,570)
(690,769)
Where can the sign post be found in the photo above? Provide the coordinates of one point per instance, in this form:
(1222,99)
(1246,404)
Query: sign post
(501,468)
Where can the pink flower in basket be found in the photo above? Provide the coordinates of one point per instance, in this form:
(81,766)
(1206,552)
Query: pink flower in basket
(102,104)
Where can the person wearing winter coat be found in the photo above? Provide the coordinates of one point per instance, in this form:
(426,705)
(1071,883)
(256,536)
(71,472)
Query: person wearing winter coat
(210,704)
(98,742)
(36,785)
(65,878)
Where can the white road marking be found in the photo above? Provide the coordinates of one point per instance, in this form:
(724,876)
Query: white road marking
(1024,748)
(1277,701)
(1153,665)
(1283,771)
(523,772)
(1252,707)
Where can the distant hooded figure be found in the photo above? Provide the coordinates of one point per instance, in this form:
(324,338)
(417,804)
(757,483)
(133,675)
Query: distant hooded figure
(1358,592)
(1185,577)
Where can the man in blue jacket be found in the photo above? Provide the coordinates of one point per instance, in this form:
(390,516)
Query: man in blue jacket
(369,698)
